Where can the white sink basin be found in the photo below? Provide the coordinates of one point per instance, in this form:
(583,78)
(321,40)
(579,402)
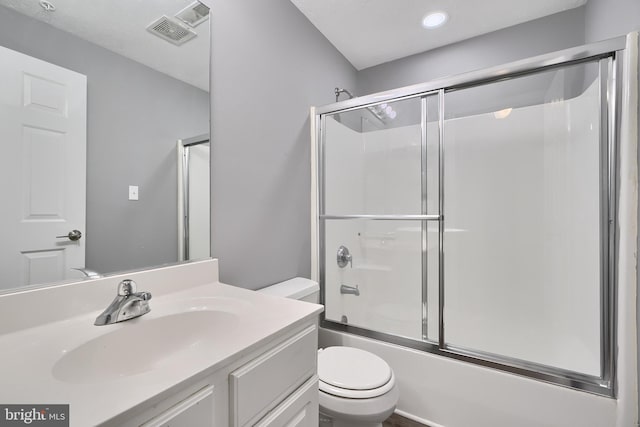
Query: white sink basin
(147,343)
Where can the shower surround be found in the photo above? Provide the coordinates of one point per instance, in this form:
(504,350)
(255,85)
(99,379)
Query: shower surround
(513,270)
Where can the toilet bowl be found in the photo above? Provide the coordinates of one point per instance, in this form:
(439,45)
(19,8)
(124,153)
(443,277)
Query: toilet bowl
(357,388)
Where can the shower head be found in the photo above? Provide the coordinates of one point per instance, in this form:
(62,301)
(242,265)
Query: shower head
(380,112)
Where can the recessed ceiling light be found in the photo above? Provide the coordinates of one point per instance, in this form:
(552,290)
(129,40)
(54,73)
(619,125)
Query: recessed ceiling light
(435,20)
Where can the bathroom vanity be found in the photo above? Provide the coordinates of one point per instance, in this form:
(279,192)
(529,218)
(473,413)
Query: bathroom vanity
(206,354)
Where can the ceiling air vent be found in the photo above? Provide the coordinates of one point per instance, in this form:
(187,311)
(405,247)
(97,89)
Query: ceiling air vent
(194,14)
(172,31)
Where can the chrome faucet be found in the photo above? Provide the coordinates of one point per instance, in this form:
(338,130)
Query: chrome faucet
(352,290)
(127,305)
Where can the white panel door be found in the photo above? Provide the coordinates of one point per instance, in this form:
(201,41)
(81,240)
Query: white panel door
(43,131)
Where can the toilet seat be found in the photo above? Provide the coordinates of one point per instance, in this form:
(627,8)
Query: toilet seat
(356,394)
(353,373)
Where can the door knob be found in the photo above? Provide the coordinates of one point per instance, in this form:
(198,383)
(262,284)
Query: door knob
(73,235)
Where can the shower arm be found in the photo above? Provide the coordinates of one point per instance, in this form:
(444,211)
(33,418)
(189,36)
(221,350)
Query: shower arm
(338,91)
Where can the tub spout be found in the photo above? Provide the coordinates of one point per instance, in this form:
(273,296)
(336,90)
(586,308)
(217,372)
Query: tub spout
(351,290)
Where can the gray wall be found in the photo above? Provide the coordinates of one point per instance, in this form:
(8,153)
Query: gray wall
(605,19)
(554,32)
(269,64)
(135,116)
(597,20)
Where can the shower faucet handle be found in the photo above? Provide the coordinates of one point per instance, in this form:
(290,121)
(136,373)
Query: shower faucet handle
(343,257)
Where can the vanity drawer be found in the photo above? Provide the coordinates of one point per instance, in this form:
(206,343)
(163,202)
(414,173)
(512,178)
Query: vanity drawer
(260,385)
(195,410)
(298,410)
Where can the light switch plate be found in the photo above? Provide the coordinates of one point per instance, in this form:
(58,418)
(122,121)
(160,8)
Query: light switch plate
(133,192)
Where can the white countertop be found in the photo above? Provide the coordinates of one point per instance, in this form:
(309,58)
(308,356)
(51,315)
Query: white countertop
(30,369)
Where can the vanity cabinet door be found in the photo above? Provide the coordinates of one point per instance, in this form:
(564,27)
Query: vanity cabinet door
(262,384)
(195,410)
(298,410)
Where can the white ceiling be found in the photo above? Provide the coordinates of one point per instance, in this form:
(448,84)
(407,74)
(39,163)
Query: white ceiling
(366,32)
(371,32)
(120,26)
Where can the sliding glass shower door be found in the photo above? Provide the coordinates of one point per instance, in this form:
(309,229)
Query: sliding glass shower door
(378,193)
(522,182)
(476,219)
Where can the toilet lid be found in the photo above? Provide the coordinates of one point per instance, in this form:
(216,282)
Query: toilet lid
(357,394)
(352,369)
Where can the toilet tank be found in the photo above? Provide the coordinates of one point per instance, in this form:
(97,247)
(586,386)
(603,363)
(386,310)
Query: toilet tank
(297,288)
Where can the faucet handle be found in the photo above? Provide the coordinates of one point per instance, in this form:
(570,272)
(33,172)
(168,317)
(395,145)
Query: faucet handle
(145,296)
(126,287)
(343,257)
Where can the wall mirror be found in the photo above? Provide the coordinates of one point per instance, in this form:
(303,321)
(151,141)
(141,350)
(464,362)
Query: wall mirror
(98,101)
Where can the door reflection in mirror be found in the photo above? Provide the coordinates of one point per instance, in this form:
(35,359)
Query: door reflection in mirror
(194,220)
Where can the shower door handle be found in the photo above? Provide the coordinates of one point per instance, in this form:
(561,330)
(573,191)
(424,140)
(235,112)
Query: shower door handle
(343,257)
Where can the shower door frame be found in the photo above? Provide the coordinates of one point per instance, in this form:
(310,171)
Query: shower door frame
(609,55)
(184,149)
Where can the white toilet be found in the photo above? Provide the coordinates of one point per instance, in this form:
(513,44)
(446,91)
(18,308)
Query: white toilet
(357,388)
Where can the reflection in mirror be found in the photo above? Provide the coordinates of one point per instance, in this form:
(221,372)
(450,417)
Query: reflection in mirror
(89,119)
(193,198)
